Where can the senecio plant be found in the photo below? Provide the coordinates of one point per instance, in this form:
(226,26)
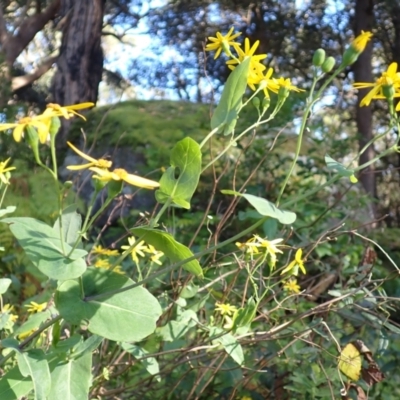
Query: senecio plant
(196,335)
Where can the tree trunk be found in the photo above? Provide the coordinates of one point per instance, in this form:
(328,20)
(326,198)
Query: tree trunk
(80,64)
(363,73)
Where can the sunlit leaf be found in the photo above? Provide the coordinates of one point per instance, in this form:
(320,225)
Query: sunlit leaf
(128,316)
(179,181)
(265,207)
(226,114)
(350,362)
(43,246)
(34,364)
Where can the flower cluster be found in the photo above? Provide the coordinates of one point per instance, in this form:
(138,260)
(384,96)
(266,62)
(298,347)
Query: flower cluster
(41,124)
(257,245)
(140,249)
(258,76)
(270,248)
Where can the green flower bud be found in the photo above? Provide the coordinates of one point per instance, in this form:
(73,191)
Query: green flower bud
(68,184)
(114,188)
(33,140)
(256,102)
(388,91)
(54,126)
(319,57)
(266,103)
(350,56)
(328,65)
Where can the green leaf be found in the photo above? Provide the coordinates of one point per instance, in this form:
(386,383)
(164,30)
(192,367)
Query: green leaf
(128,316)
(42,246)
(14,386)
(245,315)
(88,346)
(227,111)
(4,285)
(229,343)
(34,364)
(71,224)
(71,378)
(186,163)
(7,210)
(339,168)
(175,251)
(266,208)
(149,363)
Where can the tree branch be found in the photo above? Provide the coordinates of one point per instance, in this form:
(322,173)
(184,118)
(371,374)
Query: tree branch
(19,82)
(14,45)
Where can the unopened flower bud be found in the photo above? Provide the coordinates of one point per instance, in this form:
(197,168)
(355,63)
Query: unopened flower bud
(319,57)
(256,102)
(265,103)
(328,65)
(54,125)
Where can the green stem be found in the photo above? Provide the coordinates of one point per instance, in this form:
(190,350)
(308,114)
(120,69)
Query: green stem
(31,337)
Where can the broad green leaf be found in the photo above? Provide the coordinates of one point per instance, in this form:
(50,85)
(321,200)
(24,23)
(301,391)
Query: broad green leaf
(227,111)
(149,363)
(7,210)
(334,165)
(34,364)
(42,246)
(175,251)
(179,181)
(4,285)
(266,208)
(128,316)
(71,224)
(14,386)
(71,378)
(229,343)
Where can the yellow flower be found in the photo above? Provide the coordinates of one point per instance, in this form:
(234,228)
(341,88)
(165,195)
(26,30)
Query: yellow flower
(118,270)
(120,174)
(67,111)
(249,247)
(297,263)
(389,79)
(137,250)
(34,307)
(156,255)
(225,309)
(222,42)
(4,170)
(255,65)
(101,263)
(270,247)
(264,81)
(292,286)
(361,41)
(286,86)
(100,163)
(41,123)
(106,252)
(8,309)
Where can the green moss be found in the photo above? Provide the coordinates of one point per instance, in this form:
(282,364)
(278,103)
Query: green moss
(142,123)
